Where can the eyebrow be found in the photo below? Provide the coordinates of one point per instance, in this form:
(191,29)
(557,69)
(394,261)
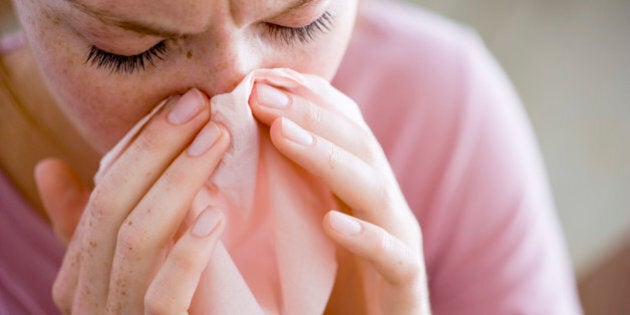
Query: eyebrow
(150,29)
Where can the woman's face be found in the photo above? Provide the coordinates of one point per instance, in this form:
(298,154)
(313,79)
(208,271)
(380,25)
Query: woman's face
(108,62)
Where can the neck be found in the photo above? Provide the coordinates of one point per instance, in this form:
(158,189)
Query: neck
(33,128)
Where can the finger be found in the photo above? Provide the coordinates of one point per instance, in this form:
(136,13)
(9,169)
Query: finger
(173,287)
(129,178)
(320,91)
(64,287)
(63,195)
(268,103)
(390,257)
(350,178)
(149,228)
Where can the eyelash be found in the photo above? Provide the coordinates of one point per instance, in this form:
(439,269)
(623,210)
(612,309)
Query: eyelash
(304,34)
(129,64)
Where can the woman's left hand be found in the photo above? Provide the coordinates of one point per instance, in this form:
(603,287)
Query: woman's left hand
(322,130)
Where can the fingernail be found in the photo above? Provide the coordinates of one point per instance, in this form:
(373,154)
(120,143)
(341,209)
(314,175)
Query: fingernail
(295,133)
(271,97)
(204,140)
(344,224)
(186,108)
(207,222)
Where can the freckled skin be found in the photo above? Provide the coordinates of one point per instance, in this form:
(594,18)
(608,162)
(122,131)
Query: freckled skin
(103,106)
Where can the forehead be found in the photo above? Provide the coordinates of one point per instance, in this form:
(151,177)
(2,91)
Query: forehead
(185,15)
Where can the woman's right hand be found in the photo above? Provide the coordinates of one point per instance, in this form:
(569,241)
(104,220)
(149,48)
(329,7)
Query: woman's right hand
(123,257)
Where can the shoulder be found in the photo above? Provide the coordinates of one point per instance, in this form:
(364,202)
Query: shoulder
(405,63)
(402,28)
(427,84)
(465,157)
(394,41)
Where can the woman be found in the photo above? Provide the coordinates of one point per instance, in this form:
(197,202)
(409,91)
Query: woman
(442,111)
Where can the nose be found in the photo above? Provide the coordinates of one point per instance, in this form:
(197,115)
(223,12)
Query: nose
(219,61)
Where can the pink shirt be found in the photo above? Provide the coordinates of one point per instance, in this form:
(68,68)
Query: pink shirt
(466,159)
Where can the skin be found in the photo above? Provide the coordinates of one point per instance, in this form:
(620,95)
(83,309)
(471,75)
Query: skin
(223,47)
(115,244)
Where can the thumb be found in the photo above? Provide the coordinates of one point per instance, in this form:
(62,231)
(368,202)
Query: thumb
(63,194)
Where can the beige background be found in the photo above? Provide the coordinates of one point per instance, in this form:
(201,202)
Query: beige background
(570,62)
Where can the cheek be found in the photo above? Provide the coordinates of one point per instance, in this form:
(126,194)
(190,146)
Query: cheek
(320,59)
(92,102)
(100,108)
(335,46)
(323,56)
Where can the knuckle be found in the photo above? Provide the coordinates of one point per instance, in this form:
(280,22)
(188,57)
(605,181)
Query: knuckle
(351,103)
(335,158)
(113,307)
(317,79)
(372,148)
(383,243)
(369,148)
(62,296)
(131,240)
(403,264)
(98,203)
(186,261)
(176,179)
(157,302)
(314,114)
(313,81)
(414,267)
(352,108)
(149,142)
(385,198)
(409,267)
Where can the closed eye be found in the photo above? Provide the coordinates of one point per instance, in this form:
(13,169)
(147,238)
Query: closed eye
(127,64)
(304,34)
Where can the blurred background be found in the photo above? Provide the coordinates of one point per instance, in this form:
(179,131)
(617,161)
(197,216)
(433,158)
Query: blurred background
(570,63)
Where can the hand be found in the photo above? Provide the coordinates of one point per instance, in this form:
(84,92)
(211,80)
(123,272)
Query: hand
(321,129)
(126,255)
